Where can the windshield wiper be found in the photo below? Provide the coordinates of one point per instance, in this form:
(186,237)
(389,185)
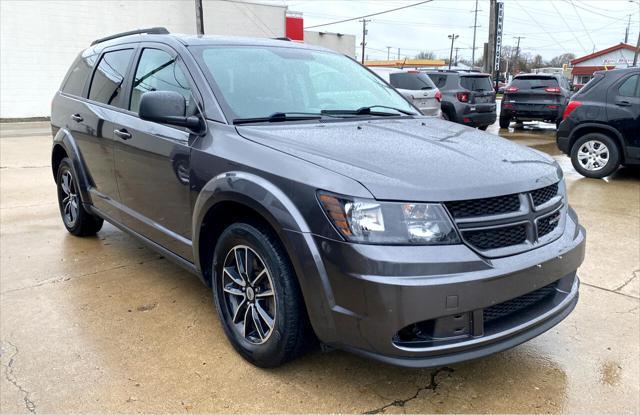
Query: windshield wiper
(367,111)
(280,117)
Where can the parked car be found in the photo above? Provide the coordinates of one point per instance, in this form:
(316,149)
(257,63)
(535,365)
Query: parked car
(534,97)
(414,86)
(601,124)
(467,97)
(314,200)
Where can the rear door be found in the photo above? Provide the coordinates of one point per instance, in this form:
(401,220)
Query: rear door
(623,110)
(481,92)
(152,160)
(536,94)
(93,121)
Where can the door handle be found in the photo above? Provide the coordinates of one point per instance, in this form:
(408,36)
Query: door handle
(123,133)
(623,103)
(77,118)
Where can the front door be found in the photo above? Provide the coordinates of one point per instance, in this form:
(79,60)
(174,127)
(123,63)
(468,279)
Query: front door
(152,160)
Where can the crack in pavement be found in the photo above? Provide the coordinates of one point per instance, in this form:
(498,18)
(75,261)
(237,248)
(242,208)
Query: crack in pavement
(609,290)
(433,385)
(64,279)
(634,275)
(11,378)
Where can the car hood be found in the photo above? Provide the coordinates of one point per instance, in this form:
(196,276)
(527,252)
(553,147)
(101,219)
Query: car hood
(416,159)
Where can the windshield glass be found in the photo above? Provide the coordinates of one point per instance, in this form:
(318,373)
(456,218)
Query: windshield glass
(534,82)
(476,83)
(256,81)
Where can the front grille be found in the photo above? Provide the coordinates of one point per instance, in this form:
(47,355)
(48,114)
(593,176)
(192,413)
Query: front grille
(542,196)
(547,224)
(519,303)
(494,238)
(484,207)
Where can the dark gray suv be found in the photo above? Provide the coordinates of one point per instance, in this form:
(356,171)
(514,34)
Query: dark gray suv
(314,200)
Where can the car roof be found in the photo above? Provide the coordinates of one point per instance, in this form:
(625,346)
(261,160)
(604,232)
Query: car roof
(393,70)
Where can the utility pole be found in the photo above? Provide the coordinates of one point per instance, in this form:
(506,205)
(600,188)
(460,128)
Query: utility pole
(626,32)
(491,52)
(398,53)
(475,26)
(199,18)
(364,35)
(453,37)
(455,60)
(635,55)
(516,64)
(388,53)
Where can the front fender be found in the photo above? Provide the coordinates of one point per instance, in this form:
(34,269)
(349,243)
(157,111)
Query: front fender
(65,140)
(282,214)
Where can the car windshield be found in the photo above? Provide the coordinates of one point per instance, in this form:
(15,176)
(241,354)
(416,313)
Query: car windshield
(476,83)
(257,82)
(534,82)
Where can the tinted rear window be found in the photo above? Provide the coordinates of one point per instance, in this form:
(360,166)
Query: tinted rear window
(534,82)
(476,83)
(106,86)
(80,72)
(439,79)
(597,77)
(411,81)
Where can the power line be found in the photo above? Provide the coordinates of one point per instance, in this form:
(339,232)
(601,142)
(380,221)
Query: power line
(569,26)
(540,26)
(583,25)
(369,15)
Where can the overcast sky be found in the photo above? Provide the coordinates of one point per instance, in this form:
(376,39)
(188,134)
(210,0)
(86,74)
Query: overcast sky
(549,27)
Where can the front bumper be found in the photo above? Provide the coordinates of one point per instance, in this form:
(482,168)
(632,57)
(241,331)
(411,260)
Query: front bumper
(377,291)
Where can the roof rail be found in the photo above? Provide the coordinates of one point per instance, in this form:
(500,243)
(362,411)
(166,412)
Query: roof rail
(151,31)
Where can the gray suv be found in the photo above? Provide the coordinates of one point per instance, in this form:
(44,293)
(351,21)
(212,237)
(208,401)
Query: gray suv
(314,200)
(467,97)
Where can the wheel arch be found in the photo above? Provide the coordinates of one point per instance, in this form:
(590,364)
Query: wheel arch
(64,145)
(607,130)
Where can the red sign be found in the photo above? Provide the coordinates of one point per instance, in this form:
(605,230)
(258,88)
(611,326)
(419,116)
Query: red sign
(294,29)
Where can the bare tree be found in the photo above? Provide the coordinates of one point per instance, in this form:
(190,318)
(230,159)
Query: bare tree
(426,55)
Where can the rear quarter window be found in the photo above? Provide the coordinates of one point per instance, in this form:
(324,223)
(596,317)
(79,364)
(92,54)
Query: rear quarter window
(438,79)
(411,81)
(106,85)
(592,83)
(476,83)
(78,74)
(534,82)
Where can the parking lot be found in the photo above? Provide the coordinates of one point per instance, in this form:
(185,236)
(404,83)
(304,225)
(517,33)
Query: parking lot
(106,324)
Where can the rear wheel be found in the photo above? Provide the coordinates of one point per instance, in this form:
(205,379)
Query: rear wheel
(504,122)
(76,219)
(257,296)
(445,116)
(595,155)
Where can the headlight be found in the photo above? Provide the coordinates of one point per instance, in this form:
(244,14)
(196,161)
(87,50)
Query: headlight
(370,221)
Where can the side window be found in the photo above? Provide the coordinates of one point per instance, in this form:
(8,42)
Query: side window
(628,87)
(439,80)
(158,71)
(106,85)
(78,75)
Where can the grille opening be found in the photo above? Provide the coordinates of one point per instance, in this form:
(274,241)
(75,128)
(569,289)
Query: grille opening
(494,238)
(484,207)
(542,196)
(441,329)
(507,308)
(547,224)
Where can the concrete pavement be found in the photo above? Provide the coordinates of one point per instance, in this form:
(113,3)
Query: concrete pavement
(104,324)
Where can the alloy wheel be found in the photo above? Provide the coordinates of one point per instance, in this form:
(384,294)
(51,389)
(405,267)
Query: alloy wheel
(593,155)
(248,294)
(69,199)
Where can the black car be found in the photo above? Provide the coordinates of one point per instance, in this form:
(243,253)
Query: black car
(534,97)
(314,200)
(467,97)
(601,124)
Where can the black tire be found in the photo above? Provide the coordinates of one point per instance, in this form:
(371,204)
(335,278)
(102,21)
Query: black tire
(445,116)
(483,127)
(75,218)
(504,122)
(290,335)
(581,147)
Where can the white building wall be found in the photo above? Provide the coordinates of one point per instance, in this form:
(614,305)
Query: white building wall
(345,44)
(619,58)
(40,38)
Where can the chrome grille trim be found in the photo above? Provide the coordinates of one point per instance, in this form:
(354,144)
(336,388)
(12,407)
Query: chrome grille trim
(529,214)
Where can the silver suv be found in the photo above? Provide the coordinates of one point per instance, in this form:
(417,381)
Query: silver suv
(414,86)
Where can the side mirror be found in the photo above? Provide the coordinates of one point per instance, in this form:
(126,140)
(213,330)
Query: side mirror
(166,107)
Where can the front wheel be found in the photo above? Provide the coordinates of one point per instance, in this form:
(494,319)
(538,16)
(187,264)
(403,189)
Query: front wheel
(76,219)
(257,296)
(595,155)
(504,122)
